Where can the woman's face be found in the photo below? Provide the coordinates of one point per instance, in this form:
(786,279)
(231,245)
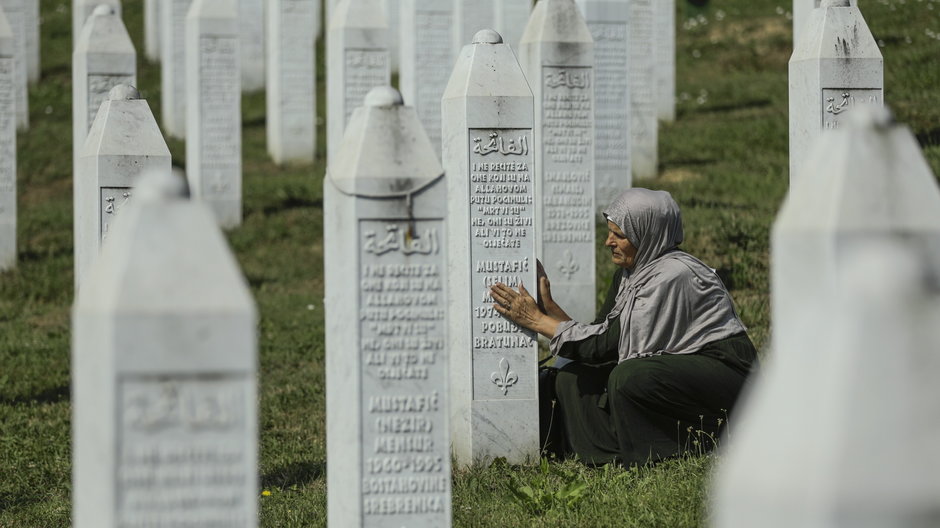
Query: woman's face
(622,251)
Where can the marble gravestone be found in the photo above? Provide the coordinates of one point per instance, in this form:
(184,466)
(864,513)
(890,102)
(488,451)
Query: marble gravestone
(82,9)
(291,88)
(644,125)
(385,211)
(152,30)
(489,145)
(835,68)
(123,143)
(15,11)
(7,146)
(104,57)
(32,40)
(251,44)
(801,12)
(393,19)
(213,109)
(608,21)
(426,60)
(866,182)
(507,17)
(357,61)
(557,55)
(665,42)
(164,374)
(173,66)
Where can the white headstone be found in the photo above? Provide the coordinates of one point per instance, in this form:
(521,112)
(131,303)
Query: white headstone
(213,109)
(123,143)
(644,126)
(392,18)
(507,17)
(801,11)
(32,40)
(15,11)
(357,61)
(609,24)
(866,406)
(291,88)
(104,57)
(152,30)
(557,55)
(82,9)
(386,282)
(665,60)
(173,66)
(426,60)
(7,146)
(251,30)
(164,366)
(836,67)
(488,155)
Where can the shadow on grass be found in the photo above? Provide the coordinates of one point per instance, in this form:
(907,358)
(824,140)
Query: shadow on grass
(722,108)
(294,474)
(53,395)
(929,138)
(292,202)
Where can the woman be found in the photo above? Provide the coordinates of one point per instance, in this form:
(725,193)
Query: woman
(658,371)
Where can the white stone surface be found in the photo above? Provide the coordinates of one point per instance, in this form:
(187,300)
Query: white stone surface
(801,12)
(384,215)
(251,30)
(862,400)
(7,146)
(104,57)
(666,60)
(123,143)
(82,9)
(489,146)
(393,19)
(32,40)
(557,55)
(644,125)
(164,366)
(426,60)
(835,68)
(357,61)
(507,17)
(213,109)
(291,88)
(152,30)
(173,66)
(16,14)
(608,21)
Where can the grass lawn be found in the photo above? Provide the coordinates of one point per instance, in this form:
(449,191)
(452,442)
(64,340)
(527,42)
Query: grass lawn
(724,160)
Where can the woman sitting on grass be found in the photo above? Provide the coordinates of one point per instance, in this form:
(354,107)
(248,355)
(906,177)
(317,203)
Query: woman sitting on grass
(663,363)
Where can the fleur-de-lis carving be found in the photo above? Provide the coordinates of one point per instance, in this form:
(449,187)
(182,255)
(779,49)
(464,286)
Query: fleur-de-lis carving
(569,266)
(504,378)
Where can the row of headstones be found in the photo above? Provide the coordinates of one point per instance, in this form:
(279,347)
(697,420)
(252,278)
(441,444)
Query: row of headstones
(834,431)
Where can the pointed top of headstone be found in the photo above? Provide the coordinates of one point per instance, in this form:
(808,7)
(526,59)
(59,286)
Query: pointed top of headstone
(103,9)
(493,67)
(868,176)
(487,36)
(835,34)
(123,92)
(556,21)
(104,32)
(124,126)
(159,186)
(385,151)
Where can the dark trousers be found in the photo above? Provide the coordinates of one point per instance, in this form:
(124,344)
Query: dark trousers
(647,409)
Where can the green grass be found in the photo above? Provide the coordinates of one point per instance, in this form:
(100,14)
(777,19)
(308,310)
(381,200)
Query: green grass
(725,161)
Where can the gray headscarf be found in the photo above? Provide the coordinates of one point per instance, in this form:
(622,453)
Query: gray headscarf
(670,303)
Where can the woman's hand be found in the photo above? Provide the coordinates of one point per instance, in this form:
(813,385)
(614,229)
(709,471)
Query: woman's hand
(520,308)
(545,301)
